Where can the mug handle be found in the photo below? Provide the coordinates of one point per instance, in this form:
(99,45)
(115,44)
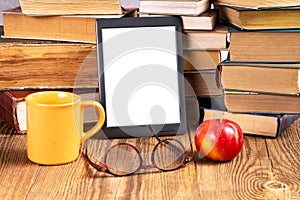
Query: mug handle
(88,103)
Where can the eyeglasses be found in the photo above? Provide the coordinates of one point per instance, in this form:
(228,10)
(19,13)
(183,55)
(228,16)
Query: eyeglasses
(124,159)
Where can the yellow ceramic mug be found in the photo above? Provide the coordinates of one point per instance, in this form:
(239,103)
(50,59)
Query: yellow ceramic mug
(55,126)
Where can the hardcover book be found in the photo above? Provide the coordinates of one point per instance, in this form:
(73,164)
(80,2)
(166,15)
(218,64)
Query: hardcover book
(281,78)
(47,65)
(62,7)
(259,4)
(13,106)
(266,125)
(203,59)
(203,82)
(206,40)
(265,45)
(74,28)
(169,7)
(250,19)
(252,102)
(204,21)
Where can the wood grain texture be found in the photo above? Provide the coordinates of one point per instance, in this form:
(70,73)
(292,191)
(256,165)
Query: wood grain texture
(265,169)
(16,171)
(284,158)
(78,179)
(253,173)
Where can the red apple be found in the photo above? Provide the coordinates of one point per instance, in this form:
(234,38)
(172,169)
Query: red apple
(219,139)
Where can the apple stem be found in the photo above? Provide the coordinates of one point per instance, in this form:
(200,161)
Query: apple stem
(223,117)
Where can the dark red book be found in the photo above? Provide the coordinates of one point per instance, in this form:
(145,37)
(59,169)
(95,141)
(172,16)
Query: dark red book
(13,106)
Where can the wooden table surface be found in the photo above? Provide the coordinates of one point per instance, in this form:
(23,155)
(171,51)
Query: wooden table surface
(265,169)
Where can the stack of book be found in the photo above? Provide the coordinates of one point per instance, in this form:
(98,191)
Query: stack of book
(204,40)
(261,77)
(49,45)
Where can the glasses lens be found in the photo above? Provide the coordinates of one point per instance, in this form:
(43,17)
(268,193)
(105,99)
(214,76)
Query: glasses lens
(123,159)
(169,154)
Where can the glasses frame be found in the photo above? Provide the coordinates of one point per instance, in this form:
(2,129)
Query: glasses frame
(102,167)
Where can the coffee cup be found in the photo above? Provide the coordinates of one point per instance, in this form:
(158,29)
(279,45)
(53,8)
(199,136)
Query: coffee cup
(55,121)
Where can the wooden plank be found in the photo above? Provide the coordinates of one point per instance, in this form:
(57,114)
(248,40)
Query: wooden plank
(176,184)
(16,171)
(257,166)
(79,180)
(265,169)
(284,156)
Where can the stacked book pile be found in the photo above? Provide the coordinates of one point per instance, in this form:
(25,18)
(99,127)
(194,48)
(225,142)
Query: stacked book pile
(49,45)
(204,41)
(261,77)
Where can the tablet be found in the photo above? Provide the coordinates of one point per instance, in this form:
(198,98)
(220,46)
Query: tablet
(141,82)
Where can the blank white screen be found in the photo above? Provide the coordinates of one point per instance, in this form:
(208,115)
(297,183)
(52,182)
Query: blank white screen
(140,76)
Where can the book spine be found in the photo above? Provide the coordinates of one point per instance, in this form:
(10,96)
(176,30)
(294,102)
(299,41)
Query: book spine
(8,110)
(218,76)
(284,122)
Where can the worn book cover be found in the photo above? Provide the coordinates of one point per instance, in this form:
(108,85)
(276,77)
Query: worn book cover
(42,65)
(13,106)
(215,39)
(280,78)
(265,45)
(74,28)
(183,7)
(259,4)
(204,21)
(250,19)
(253,102)
(62,7)
(267,125)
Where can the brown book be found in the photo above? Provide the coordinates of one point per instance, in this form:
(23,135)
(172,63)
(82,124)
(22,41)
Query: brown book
(170,7)
(251,102)
(62,7)
(204,21)
(258,4)
(206,40)
(13,106)
(44,65)
(265,46)
(74,28)
(203,83)
(266,125)
(201,59)
(281,78)
(260,19)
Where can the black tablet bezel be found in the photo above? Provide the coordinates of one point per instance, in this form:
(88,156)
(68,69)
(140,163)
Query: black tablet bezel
(128,22)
